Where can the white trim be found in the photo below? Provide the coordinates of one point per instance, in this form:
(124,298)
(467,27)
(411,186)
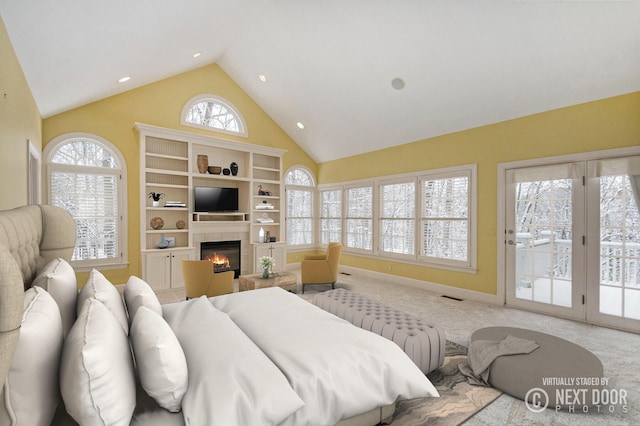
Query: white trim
(431,172)
(439,289)
(183,136)
(34,174)
(244,132)
(314,181)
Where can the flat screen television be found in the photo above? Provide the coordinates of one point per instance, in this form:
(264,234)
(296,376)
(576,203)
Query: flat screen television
(212,199)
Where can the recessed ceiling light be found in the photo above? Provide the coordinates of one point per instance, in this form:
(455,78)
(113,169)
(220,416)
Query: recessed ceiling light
(195,55)
(398,83)
(263,78)
(124,79)
(300,125)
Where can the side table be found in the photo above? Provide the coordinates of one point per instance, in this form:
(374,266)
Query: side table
(284,279)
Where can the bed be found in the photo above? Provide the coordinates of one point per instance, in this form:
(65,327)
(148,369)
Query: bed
(262,357)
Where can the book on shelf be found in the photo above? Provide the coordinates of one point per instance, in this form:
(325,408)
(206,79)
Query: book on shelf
(264,207)
(175,204)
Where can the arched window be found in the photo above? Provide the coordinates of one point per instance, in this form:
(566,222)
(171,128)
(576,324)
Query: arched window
(213,113)
(86,175)
(300,187)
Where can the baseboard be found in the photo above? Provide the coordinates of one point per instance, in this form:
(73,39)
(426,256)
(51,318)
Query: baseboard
(439,289)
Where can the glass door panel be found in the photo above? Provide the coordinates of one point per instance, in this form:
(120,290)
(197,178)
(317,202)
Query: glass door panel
(541,239)
(614,260)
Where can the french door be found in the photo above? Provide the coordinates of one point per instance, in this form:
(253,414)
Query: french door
(543,240)
(572,240)
(613,232)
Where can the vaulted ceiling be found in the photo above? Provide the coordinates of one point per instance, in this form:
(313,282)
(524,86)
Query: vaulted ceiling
(332,65)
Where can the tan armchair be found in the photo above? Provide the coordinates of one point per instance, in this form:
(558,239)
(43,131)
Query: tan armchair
(199,279)
(322,269)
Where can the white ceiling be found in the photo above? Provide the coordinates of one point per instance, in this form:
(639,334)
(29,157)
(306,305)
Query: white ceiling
(329,64)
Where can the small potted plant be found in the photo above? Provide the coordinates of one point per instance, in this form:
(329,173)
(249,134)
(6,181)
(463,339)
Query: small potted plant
(155,196)
(266,263)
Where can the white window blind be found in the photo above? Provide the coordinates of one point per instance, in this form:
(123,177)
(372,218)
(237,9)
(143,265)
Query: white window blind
(397,217)
(300,188)
(445,218)
(92,199)
(359,220)
(330,216)
(299,217)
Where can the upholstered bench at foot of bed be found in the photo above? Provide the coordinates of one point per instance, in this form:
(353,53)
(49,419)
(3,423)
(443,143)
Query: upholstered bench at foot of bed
(423,343)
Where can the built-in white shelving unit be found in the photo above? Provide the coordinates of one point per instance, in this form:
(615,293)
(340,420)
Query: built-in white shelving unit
(169,165)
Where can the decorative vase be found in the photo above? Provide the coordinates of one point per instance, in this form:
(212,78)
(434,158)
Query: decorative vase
(203,163)
(226,171)
(156,203)
(234,168)
(265,273)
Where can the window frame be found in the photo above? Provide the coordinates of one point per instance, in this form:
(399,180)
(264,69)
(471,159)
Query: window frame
(243,132)
(50,151)
(402,180)
(470,170)
(312,190)
(471,219)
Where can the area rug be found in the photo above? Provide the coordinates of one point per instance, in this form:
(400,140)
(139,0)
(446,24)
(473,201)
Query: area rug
(458,399)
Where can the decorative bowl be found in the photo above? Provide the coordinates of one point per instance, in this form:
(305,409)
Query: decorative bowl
(156,223)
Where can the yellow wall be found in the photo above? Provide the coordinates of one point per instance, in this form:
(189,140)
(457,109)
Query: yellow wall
(19,121)
(160,104)
(605,124)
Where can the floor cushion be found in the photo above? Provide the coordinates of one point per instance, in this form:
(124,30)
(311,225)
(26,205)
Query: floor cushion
(566,372)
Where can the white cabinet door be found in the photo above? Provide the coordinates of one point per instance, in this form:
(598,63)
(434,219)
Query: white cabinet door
(278,251)
(162,269)
(176,267)
(157,270)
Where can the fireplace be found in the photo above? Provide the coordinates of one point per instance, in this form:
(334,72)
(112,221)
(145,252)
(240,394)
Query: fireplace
(224,255)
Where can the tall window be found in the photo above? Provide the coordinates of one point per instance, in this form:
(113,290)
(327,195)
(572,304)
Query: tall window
(330,216)
(300,186)
(213,113)
(85,177)
(359,220)
(397,217)
(445,218)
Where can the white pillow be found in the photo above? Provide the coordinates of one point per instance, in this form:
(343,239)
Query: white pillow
(31,392)
(59,279)
(99,287)
(162,366)
(138,293)
(97,378)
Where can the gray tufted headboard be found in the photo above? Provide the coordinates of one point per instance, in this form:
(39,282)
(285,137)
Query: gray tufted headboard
(30,236)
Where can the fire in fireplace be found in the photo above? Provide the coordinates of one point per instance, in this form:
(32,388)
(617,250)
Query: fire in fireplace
(224,255)
(220,262)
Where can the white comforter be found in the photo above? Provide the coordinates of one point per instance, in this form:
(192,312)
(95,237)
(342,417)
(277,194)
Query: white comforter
(289,358)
